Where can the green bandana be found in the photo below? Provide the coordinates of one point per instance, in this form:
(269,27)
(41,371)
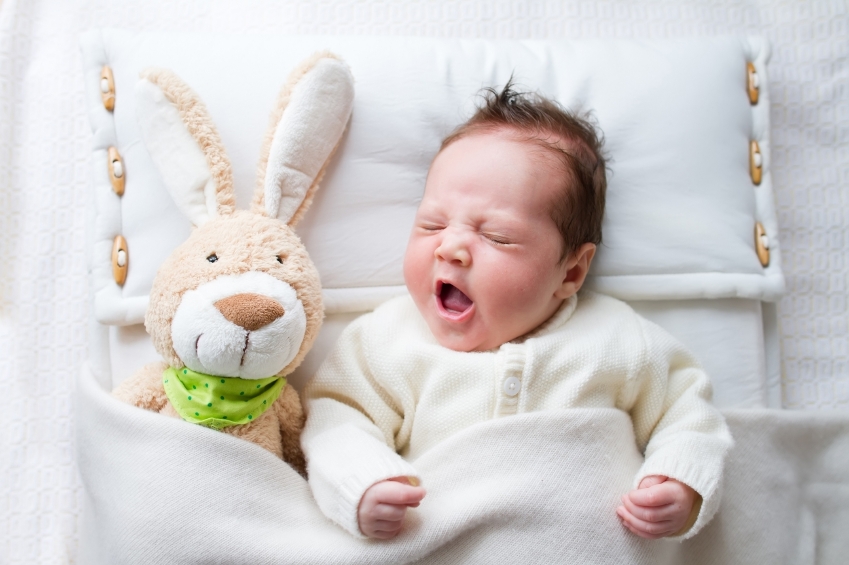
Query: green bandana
(218,402)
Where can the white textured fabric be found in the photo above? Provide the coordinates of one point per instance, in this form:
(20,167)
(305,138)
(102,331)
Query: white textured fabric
(389,387)
(532,488)
(45,173)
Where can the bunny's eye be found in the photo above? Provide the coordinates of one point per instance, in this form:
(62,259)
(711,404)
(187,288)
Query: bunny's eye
(212,258)
(280,259)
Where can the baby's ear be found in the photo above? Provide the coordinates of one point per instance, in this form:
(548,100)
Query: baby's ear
(575,269)
(184,145)
(306,127)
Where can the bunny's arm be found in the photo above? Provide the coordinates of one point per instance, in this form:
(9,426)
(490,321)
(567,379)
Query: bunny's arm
(145,388)
(290,416)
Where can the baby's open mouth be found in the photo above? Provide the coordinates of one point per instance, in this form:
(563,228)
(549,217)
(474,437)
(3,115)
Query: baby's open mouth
(453,299)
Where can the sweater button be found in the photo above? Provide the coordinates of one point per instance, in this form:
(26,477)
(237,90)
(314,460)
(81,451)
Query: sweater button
(512,385)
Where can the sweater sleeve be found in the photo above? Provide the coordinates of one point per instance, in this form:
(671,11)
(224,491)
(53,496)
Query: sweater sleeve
(352,422)
(683,435)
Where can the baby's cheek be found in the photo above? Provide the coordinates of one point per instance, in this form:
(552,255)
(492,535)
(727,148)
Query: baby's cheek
(416,267)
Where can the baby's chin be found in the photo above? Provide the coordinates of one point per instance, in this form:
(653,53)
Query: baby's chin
(454,343)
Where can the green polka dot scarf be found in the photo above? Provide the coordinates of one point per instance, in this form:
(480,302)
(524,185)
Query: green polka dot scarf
(218,402)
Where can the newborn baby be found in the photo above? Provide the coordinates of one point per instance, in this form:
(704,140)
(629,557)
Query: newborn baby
(494,325)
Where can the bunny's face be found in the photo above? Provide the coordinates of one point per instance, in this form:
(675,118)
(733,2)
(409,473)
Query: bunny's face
(240,298)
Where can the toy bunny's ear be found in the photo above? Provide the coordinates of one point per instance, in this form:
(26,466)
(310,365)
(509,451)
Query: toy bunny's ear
(311,115)
(185,146)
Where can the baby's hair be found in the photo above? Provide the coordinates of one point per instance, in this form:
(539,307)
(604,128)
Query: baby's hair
(572,137)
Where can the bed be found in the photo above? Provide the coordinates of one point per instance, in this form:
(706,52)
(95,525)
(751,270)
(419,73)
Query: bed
(690,241)
(48,330)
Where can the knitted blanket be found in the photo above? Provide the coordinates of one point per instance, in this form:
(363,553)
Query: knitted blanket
(534,488)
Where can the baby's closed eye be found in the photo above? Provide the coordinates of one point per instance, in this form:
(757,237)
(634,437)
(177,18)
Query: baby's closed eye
(430,227)
(497,239)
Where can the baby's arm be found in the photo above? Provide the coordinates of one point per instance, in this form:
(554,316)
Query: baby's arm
(384,505)
(353,429)
(659,507)
(684,437)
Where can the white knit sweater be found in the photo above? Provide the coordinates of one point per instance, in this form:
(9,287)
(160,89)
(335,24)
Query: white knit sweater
(389,391)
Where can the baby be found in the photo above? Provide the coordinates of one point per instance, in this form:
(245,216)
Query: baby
(502,242)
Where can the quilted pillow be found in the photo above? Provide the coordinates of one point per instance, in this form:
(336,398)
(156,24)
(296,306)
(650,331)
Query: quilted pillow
(678,118)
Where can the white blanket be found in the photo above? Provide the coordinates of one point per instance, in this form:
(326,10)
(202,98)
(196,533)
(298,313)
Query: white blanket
(534,488)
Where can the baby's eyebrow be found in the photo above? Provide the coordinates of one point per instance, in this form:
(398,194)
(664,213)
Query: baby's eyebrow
(500,221)
(428,215)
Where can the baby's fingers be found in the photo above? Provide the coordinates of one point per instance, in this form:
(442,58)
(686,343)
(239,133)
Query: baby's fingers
(652,480)
(388,512)
(648,530)
(649,513)
(407,496)
(398,493)
(382,529)
(657,495)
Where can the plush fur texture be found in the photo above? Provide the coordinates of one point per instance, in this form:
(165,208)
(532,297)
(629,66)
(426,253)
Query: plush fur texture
(176,153)
(208,342)
(199,124)
(243,242)
(258,204)
(242,252)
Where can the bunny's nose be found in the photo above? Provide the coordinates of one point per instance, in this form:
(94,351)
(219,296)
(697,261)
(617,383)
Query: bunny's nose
(250,311)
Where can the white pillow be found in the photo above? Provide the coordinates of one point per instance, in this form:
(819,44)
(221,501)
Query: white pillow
(681,210)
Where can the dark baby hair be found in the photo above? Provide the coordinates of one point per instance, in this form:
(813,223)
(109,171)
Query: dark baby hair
(570,136)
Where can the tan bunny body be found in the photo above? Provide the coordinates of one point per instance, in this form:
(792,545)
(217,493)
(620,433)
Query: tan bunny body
(240,299)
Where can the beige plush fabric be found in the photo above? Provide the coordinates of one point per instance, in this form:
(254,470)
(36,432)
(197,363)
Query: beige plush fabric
(229,243)
(258,204)
(250,242)
(196,118)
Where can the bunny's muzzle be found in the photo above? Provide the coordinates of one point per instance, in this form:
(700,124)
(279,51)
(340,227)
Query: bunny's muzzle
(250,325)
(250,310)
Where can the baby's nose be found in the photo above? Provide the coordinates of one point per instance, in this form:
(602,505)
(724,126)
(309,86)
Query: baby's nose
(454,249)
(249,310)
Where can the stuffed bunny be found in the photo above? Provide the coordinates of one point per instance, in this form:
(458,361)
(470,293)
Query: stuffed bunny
(236,307)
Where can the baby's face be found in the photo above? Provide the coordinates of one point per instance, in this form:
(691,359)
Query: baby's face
(483,261)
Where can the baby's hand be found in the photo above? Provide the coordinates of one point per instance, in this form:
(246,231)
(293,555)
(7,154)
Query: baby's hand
(384,504)
(658,507)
